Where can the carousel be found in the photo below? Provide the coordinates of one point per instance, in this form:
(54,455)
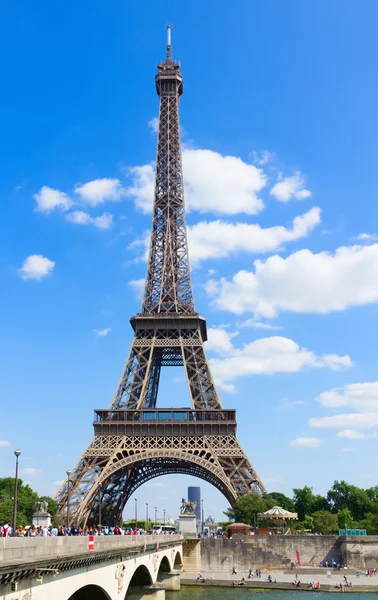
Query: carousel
(280,517)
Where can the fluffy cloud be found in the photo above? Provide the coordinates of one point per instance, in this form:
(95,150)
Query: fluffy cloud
(154,124)
(347,420)
(137,285)
(49,199)
(4,444)
(359,396)
(218,239)
(352,434)
(36,266)
(102,332)
(219,341)
(79,217)
(264,356)
(290,187)
(143,185)
(99,191)
(366,237)
(215,183)
(221,184)
(303,282)
(29,471)
(306,442)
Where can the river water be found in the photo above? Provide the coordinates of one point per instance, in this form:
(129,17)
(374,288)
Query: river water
(221,593)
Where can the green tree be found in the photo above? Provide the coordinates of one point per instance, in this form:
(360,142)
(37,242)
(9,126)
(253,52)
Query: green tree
(325,522)
(25,503)
(303,501)
(343,495)
(247,507)
(281,500)
(370,523)
(345,518)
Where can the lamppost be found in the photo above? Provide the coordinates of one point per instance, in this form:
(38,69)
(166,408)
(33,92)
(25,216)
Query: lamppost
(14,524)
(155,515)
(68,499)
(99,504)
(202,516)
(164,517)
(146,515)
(136,512)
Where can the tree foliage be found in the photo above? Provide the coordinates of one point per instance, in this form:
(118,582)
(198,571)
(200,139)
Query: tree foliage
(247,507)
(344,504)
(25,502)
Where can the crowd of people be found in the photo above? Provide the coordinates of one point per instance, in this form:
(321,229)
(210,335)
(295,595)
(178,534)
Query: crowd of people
(52,530)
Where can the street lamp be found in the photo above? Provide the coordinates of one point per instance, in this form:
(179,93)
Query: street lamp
(202,515)
(99,503)
(146,515)
(14,524)
(155,515)
(136,512)
(164,517)
(68,498)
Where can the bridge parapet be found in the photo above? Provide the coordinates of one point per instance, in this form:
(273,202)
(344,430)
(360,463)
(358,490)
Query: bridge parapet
(25,549)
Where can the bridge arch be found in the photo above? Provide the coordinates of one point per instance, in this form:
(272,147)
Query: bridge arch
(164,566)
(129,469)
(140,578)
(177,564)
(90,592)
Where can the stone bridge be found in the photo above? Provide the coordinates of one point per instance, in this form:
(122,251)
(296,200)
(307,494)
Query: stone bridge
(64,568)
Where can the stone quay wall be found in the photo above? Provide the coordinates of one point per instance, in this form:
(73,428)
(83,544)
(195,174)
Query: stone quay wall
(278,552)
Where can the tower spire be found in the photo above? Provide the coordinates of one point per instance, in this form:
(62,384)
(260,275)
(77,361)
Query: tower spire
(169,45)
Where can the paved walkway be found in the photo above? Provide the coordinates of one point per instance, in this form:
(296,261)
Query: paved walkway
(287,578)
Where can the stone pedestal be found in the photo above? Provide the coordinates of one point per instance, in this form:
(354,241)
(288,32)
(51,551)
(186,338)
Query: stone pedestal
(188,524)
(170,581)
(42,519)
(146,592)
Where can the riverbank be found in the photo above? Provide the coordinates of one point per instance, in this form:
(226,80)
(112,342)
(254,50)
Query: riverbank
(284,581)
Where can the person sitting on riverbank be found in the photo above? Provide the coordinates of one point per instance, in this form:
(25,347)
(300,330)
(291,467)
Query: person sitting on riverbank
(250,573)
(296,583)
(200,579)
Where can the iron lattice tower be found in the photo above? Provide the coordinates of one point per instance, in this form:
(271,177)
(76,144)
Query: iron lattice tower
(133,441)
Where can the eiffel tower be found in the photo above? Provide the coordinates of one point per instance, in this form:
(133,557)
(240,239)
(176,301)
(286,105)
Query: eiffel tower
(133,440)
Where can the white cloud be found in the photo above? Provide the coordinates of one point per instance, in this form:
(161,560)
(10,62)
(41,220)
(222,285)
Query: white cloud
(360,396)
(265,356)
(346,449)
(366,237)
(154,124)
(102,332)
(219,341)
(213,183)
(219,239)
(352,434)
(346,420)
(49,199)
(36,266)
(59,483)
(258,325)
(29,471)
(306,442)
(143,186)
(79,217)
(99,191)
(221,184)
(4,444)
(285,403)
(262,158)
(290,187)
(303,282)
(138,286)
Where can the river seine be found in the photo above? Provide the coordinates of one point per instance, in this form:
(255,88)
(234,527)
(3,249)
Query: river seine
(222,593)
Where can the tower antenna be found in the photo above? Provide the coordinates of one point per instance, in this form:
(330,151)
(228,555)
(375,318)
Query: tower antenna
(169,45)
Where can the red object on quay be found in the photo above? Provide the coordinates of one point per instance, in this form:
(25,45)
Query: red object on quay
(91,542)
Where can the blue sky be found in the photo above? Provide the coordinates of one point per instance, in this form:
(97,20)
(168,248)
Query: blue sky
(280,162)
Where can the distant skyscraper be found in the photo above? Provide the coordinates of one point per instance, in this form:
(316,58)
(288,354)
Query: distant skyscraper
(194,495)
